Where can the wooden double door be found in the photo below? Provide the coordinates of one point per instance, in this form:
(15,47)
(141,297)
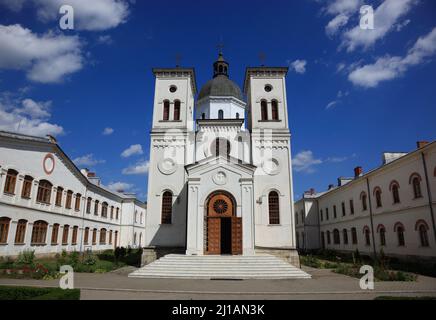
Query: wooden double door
(223,228)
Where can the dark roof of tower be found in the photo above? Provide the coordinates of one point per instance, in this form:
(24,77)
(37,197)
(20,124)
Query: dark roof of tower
(220,85)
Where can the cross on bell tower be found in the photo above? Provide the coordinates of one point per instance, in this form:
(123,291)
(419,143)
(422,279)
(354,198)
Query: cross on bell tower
(221,66)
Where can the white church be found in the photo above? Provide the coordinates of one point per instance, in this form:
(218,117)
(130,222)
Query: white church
(220,179)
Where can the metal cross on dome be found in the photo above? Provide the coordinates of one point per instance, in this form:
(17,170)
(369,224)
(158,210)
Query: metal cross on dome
(220,47)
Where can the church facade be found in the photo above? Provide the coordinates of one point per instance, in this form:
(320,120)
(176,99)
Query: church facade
(220,176)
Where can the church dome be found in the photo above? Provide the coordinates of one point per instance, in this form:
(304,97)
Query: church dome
(220,85)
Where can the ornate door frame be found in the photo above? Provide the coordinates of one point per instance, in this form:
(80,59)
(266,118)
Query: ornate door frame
(219,205)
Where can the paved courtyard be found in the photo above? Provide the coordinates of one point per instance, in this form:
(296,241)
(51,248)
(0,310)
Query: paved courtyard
(323,285)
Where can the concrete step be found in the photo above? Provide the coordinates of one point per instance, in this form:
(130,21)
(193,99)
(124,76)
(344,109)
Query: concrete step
(220,267)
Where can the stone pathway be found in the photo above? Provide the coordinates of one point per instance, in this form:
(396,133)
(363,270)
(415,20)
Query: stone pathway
(323,285)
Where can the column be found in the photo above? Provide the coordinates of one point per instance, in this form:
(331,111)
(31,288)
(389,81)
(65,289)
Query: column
(247,217)
(193,234)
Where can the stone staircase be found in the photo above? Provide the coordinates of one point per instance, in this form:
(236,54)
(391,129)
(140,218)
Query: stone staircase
(177,266)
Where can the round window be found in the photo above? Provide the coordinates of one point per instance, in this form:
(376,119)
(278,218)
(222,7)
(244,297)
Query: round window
(220,206)
(173,89)
(268,88)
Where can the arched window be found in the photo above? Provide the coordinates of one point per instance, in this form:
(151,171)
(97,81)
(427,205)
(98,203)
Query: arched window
(134,238)
(44,192)
(274,110)
(69,199)
(86,236)
(140,221)
(140,239)
(136,216)
(94,236)
(328,237)
(399,229)
(166,110)
(382,232)
(220,114)
(112,212)
(110,237)
(336,237)
(88,205)
(59,193)
(21,231)
(264,110)
(274,207)
(378,200)
(220,68)
(394,187)
(11,181)
(4,229)
(74,237)
(364,199)
(103,236)
(345,235)
(65,233)
(367,234)
(39,233)
(415,180)
(422,227)
(55,234)
(203,116)
(354,235)
(167,207)
(96,207)
(237,115)
(27,187)
(77,202)
(177,110)
(104,207)
(116,238)
(117,214)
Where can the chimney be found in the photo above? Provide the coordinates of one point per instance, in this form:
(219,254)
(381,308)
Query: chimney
(358,171)
(421,144)
(331,186)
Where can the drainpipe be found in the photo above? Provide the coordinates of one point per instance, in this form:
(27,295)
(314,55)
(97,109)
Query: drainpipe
(430,201)
(371,219)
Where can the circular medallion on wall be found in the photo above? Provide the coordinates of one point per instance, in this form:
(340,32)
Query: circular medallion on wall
(48,163)
(271,167)
(220,178)
(167,166)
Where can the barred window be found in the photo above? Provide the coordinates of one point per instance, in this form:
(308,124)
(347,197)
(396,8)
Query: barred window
(167,207)
(274,208)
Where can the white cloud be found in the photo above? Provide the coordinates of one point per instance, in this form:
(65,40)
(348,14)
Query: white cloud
(141,167)
(335,24)
(27,117)
(45,58)
(120,186)
(342,10)
(305,162)
(95,15)
(106,39)
(299,66)
(13,5)
(87,161)
(386,16)
(132,150)
(331,104)
(388,68)
(107,131)
(400,26)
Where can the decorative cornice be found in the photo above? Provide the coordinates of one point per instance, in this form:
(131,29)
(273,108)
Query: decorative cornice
(177,73)
(272,72)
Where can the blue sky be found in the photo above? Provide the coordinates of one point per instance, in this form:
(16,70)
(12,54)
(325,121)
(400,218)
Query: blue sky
(352,93)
